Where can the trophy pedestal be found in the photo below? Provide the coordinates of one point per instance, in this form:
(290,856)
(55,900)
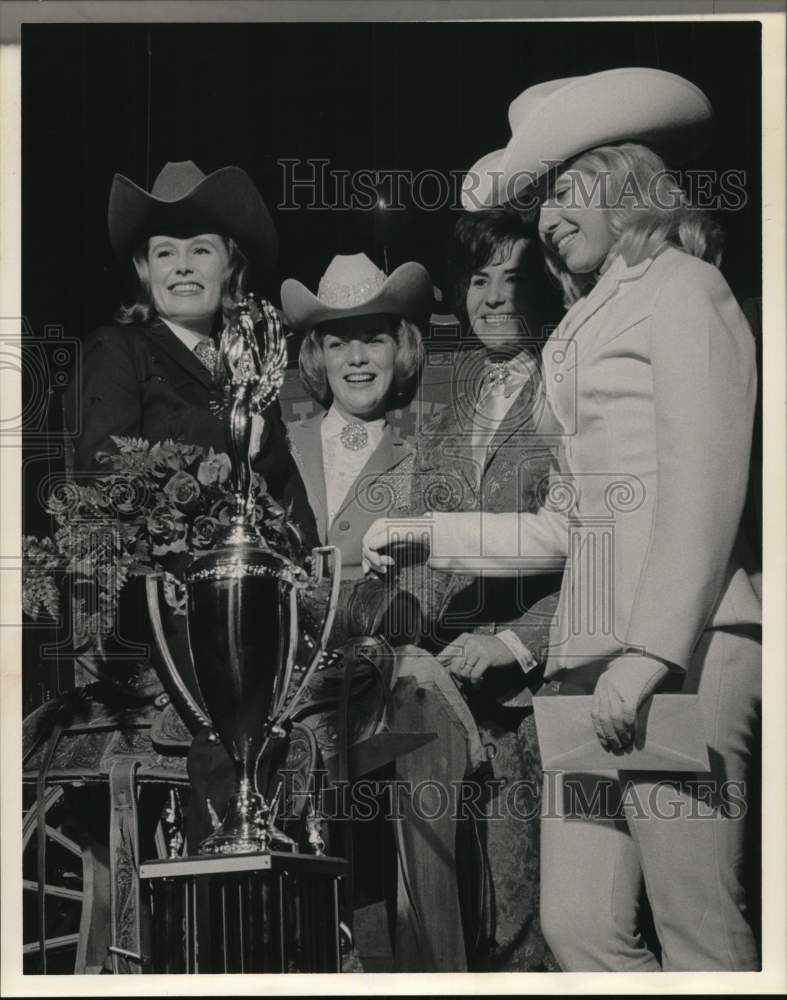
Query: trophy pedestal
(276,912)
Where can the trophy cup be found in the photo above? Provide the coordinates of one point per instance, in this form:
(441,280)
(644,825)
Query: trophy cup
(242,614)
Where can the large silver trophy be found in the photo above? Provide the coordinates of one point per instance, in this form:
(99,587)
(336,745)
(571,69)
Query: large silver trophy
(243,598)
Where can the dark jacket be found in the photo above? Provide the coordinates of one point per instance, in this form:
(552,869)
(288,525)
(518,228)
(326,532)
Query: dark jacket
(142,381)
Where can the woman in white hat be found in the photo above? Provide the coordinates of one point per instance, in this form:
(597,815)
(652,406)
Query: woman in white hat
(651,380)
(360,359)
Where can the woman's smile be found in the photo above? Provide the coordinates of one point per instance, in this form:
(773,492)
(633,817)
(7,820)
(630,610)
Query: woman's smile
(577,207)
(497,319)
(359,354)
(186,278)
(561,240)
(496,301)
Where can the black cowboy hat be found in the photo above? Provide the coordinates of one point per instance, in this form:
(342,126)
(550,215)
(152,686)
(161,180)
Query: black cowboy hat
(184,201)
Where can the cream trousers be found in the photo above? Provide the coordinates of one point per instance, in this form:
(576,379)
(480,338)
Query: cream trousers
(607,838)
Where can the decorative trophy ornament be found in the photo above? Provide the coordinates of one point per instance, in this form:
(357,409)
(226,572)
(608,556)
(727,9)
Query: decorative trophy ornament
(242,612)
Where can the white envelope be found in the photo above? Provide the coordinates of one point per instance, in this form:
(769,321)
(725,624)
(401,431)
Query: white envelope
(670,736)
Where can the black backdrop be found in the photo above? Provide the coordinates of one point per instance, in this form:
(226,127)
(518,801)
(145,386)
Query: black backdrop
(434,96)
(99,99)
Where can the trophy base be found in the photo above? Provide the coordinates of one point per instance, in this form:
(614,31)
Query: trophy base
(243,830)
(221,844)
(247,828)
(226,844)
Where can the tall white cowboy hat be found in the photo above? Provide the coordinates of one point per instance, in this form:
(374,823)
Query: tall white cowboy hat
(554,121)
(185,202)
(354,286)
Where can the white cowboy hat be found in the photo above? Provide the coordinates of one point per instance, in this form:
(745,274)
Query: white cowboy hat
(353,286)
(556,120)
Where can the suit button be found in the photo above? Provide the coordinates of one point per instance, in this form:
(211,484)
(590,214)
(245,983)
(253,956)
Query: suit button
(344,525)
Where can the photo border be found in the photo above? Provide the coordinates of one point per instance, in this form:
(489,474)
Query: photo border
(773,978)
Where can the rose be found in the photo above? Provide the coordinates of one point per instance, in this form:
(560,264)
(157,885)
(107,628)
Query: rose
(167,530)
(203,533)
(162,459)
(214,469)
(126,495)
(183,490)
(186,453)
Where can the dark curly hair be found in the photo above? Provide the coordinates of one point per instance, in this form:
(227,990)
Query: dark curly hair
(487,237)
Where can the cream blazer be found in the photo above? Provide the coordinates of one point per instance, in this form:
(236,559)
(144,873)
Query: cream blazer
(651,383)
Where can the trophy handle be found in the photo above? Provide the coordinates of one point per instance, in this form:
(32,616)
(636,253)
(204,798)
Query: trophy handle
(183,699)
(320,555)
(282,685)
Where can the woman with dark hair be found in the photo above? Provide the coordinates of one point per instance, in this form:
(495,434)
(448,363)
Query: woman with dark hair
(487,452)
(656,426)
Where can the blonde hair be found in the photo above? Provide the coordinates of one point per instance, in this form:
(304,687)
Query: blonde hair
(408,362)
(646,208)
(233,287)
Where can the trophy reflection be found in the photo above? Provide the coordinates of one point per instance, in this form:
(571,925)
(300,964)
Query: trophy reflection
(242,612)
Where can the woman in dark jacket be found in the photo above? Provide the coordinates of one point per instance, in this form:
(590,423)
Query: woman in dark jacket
(191,240)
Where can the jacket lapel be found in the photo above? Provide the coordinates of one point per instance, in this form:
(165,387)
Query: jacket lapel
(448,445)
(306,448)
(524,412)
(386,456)
(166,341)
(608,285)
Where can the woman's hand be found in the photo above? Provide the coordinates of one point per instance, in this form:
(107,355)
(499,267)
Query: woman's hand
(388,533)
(620,691)
(470,656)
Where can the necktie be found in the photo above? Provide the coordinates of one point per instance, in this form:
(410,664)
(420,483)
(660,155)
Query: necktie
(492,406)
(493,400)
(206,354)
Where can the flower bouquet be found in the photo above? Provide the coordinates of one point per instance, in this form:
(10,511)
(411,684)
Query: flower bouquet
(151,512)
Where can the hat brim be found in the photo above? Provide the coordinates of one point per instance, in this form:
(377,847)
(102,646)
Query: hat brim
(407,292)
(650,106)
(226,202)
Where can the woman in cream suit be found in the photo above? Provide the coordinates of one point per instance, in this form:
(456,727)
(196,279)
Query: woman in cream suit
(651,379)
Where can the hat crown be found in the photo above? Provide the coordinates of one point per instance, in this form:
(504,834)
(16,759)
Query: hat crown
(176,179)
(350,280)
(531,98)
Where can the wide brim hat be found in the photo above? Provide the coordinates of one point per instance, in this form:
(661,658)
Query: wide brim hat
(353,286)
(185,202)
(554,121)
